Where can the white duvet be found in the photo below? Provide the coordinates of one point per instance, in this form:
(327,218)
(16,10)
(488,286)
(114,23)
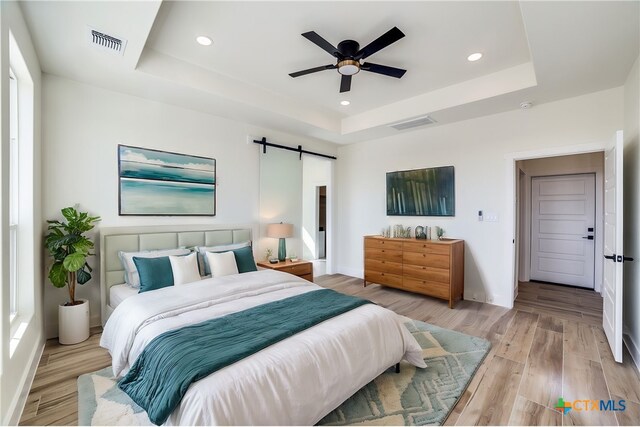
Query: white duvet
(296,381)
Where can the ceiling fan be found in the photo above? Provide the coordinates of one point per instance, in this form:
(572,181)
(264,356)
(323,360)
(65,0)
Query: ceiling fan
(349,55)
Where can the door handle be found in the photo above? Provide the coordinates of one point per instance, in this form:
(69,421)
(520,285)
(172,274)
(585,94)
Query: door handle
(588,237)
(618,258)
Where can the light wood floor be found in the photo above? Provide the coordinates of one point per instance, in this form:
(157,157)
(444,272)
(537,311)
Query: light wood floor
(550,345)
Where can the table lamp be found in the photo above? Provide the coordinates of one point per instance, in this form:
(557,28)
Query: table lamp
(280,231)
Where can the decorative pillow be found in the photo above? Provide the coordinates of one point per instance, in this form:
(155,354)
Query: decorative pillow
(131,277)
(222,263)
(154,273)
(185,268)
(202,250)
(244,260)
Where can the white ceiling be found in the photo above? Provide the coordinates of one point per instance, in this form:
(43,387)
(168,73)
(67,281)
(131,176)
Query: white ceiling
(538,51)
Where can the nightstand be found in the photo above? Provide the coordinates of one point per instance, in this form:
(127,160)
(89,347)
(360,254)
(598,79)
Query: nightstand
(300,268)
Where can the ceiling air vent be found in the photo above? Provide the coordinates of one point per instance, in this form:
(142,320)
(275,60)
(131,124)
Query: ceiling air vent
(420,121)
(106,42)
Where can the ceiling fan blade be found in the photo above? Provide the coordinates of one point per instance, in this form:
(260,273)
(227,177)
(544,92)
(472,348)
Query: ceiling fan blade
(315,38)
(383,69)
(390,37)
(312,70)
(345,84)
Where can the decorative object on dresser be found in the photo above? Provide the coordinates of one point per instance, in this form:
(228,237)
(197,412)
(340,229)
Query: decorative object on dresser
(280,231)
(400,232)
(421,192)
(70,248)
(434,268)
(154,182)
(300,268)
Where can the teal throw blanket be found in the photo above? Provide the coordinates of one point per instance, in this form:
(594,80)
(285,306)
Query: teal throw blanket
(165,369)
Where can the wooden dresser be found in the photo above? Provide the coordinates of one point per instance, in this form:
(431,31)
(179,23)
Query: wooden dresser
(429,267)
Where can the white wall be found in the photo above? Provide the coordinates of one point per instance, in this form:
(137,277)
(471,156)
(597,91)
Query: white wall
(631,293)
(478,149)
(560,165)
(17,369)
(82,126)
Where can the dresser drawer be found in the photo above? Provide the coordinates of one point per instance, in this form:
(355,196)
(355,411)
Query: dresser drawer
(298,270)
(427,287)
(426,273)
(426,247)
(427,260)
(383,278)
(383,266)
(392,255)
(382,244)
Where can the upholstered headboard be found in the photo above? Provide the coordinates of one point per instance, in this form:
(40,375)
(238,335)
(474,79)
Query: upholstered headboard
(133,239)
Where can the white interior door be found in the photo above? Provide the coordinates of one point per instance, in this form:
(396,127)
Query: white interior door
(563,229)
(613,247)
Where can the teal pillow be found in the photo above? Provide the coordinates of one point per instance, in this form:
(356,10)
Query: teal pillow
(155,273)
(244,260)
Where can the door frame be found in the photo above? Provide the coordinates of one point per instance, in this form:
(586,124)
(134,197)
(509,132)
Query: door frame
(512,174)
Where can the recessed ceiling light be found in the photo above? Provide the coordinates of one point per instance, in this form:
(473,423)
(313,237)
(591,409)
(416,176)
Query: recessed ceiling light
(345,102)
(204,40)
(474,56)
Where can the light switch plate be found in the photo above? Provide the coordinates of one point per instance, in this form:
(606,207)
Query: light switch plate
(490,217)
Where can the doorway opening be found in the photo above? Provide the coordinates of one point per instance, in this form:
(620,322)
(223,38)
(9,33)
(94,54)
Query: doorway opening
(560,229)
(316,213)
(322,221)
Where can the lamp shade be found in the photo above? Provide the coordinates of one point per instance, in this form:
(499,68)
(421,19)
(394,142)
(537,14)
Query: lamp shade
(280,231)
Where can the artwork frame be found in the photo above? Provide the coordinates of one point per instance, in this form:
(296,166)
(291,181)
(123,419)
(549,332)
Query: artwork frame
(155,182)
(421,192)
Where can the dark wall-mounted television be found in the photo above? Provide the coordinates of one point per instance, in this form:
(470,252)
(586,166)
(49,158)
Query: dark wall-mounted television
(422,192)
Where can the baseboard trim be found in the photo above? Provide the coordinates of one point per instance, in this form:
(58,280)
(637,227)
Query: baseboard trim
(353,272)
(16,414)
(634,350)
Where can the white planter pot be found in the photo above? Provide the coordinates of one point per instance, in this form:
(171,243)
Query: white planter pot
(73,323)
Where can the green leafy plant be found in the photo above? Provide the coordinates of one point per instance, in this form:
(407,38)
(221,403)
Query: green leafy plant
(70,249)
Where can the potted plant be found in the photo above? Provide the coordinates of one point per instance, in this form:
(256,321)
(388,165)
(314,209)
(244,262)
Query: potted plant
(70,248)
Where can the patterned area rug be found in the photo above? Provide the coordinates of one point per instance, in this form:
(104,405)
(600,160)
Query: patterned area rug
(412,397)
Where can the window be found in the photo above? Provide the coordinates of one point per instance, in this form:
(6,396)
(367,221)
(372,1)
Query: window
(13,195)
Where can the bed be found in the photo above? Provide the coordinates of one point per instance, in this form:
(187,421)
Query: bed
(296,381)
(134,239)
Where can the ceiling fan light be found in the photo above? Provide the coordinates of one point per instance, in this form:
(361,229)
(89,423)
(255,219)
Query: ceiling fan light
(348,67)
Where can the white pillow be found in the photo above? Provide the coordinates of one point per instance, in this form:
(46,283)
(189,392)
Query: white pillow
(185,269)
(202,250)
(222,264)
(131,276)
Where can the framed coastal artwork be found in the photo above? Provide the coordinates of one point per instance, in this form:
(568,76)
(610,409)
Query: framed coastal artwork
(154,182)
(421,192)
